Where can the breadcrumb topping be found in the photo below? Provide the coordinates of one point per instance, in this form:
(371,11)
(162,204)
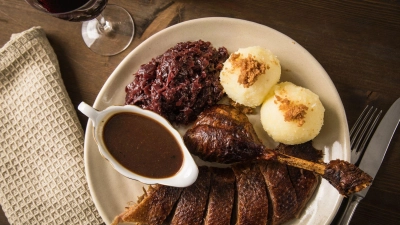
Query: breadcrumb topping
(250,68)
(292,111)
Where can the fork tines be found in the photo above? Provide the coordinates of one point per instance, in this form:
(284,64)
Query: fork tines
(361,131)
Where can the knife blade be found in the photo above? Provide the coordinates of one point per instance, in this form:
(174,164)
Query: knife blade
(374,155)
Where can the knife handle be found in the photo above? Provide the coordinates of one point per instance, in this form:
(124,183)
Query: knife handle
(350,208)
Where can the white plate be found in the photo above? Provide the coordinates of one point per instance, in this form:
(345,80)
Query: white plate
(111,191)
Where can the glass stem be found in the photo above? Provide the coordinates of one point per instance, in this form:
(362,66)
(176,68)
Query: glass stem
(103,26)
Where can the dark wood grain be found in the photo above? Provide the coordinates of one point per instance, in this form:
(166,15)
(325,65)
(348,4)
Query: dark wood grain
(357,42)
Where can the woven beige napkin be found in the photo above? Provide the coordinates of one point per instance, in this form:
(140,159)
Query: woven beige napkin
(42,178)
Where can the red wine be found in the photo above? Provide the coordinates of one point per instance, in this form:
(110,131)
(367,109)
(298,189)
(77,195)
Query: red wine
(66,9)
(61,6)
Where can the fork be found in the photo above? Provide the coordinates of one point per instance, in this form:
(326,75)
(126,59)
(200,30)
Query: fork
(361,132)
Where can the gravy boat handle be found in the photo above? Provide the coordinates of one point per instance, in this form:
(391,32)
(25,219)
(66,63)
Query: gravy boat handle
(89,111)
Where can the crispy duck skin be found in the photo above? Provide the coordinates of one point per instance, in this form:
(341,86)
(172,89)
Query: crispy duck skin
(205,142)
(152,208)
(345,176)
(224,122)
(215,118)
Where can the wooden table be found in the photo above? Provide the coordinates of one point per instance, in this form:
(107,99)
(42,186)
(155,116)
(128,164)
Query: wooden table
(358,44)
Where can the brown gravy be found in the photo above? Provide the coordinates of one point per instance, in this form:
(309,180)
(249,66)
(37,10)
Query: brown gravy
(142,145)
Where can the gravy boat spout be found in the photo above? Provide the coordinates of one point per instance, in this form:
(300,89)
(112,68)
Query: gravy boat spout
(185,176)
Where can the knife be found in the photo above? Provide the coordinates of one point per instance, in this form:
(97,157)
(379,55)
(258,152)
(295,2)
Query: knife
(374,154)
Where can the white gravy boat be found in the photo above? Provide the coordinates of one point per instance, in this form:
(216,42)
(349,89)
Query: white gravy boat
(188,172)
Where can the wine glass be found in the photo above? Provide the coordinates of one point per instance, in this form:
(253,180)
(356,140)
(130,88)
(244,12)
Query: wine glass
(106,30)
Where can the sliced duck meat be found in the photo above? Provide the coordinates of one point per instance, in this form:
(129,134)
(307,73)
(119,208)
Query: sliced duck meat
(304,182)
(252,201)
(282,195)
(153,207)
(191,206)
(221,197)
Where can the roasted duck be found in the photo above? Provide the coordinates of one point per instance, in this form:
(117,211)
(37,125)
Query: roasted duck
(223,134)
(262,192)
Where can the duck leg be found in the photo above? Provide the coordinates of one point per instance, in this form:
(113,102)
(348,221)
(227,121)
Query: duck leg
(223,134)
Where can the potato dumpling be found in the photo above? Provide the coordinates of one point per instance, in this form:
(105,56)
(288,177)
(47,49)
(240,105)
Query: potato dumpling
(292,114)
(249,74)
